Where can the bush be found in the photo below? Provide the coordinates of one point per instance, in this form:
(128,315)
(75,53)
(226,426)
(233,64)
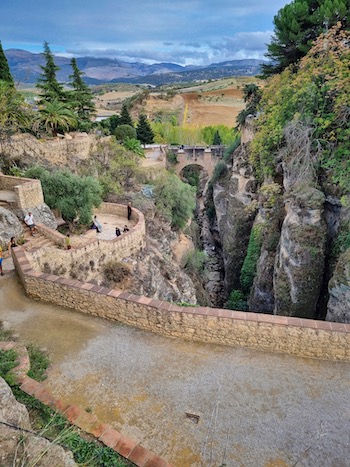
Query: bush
(237,301)
(231,149)
(175,200)
(220,171)
(124,132)
(195,262)
(248,270)
(171,157)
(116,271)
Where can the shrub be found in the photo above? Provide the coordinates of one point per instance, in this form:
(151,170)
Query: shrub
(116,271)
(220,171)
(195,262)
(124,132)
(171,157)
(248,270)
(237,301)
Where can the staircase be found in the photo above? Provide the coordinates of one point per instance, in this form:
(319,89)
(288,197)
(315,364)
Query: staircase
(36,242)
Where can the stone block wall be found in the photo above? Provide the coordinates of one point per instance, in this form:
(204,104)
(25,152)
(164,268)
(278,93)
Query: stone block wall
(94,251)
(294,336)
(28,192)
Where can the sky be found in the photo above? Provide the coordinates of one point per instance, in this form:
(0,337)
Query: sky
(186,32)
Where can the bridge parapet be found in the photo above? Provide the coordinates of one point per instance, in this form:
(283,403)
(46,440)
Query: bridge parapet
(204,156)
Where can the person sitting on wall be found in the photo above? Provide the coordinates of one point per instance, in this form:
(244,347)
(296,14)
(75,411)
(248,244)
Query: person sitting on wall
(96,225)
(126,228)
(117,231)
(29,220)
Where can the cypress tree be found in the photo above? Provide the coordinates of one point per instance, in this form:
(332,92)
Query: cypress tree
(51,89)
(217,139)
(81,98)
(5,74)
(125,118)
(144,130)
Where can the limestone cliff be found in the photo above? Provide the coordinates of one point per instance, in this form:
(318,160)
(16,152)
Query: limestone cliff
(235,211)
(339,291)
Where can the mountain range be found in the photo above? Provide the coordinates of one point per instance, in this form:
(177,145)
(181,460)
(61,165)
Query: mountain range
(25,68)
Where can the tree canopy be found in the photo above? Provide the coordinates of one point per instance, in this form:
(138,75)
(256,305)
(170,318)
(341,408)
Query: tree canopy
(125,118)
(175,200)
(5,74)
(48,84)
(54,116)
(14,114)
(74,196)
(80,98)
(297,25)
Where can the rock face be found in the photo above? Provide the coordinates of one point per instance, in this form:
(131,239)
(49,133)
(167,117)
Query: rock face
(42,215)
(19,447)
(339,291)
(300,258)
(10,226)
(235,212)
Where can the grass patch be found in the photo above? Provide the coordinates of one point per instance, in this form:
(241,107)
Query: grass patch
(39,362)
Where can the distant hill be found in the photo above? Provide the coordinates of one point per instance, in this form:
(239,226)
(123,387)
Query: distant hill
(25,68)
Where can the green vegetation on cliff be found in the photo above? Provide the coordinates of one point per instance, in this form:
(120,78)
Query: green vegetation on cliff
(316,97)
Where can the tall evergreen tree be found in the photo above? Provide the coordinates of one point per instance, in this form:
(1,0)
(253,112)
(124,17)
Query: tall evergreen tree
(144,131)
(297,25)
(125,118)
(5,74)
(217,138)
(51,89)
(81,98)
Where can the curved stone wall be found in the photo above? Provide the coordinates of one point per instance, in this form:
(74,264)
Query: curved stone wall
(295,336)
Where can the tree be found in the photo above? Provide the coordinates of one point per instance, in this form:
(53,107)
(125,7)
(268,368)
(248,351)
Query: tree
(252,96)
(217,138)
(50,88)
(81,98)
(5,74)
(123,132)
(14,114)
(297,25)
(144,130)
(53,116)
(175,200)
(125,118)
(74,196)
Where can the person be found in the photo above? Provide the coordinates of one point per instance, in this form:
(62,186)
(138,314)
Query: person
(29,220)
(117,231)
(129,211)
(96,225)
(12,244)
(68,243)
(1,271)
(126,228)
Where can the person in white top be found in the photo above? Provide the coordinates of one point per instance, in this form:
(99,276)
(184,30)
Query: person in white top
(29,220)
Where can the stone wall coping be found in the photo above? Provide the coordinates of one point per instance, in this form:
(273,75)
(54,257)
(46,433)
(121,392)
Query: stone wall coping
(168,307)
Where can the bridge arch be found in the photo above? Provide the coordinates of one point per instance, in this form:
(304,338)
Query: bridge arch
(205,157)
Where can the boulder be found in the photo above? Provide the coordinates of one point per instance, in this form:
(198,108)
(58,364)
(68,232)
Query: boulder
(18,445)
(338,308)
(42,215)
(10,226)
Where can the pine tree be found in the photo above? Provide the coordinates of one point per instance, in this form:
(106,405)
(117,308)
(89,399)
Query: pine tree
(297,25)
(125,118)
(217,139)
(51,89)
(5,74)
(80,98)
(144,131)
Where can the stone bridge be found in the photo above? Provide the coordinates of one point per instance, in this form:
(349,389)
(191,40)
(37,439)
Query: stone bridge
(205,157)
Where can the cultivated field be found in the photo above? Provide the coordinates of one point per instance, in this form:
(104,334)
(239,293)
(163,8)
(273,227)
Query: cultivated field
(213,103)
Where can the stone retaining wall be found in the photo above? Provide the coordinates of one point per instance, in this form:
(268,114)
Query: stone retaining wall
(93,251)
(28,192)
(294,336)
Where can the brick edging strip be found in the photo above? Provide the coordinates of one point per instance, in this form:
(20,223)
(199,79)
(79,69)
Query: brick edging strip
(88,422)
